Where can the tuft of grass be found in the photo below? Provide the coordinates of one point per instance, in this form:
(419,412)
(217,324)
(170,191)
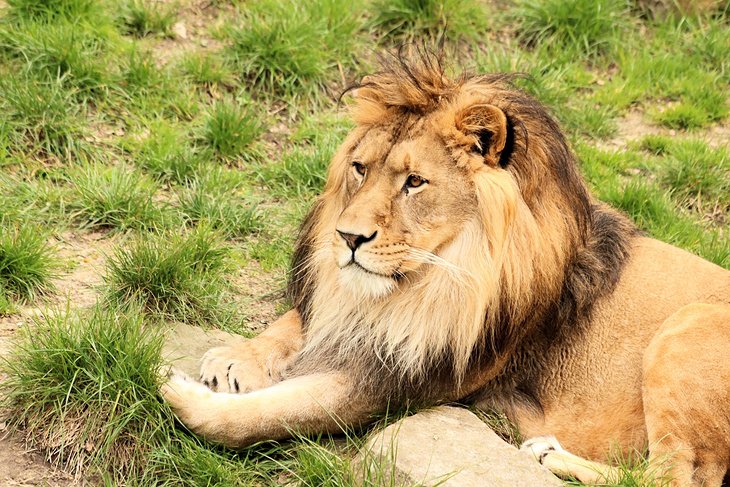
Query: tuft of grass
(300,172)
(41,117)
(73,54)
(114,198)
(176,276)
(703,106)
(208,202)
(408,20)
(146,87)
(697,175)
(585,27)
(207,69)
(285,47)
(141,18)
(652,205)
(167,155)
(27,263)
(36,10)
(230,128)
(82,387)
(33,199)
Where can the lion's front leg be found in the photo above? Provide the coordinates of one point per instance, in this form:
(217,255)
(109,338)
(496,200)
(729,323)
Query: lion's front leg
(318,403)
(256,363)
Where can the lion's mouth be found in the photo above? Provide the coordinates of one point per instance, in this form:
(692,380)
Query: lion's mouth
(397,276)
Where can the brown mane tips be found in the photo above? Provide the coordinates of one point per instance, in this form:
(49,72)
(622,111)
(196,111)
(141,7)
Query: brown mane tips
(411,80)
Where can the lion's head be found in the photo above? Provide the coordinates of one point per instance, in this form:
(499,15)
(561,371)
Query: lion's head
(451,212)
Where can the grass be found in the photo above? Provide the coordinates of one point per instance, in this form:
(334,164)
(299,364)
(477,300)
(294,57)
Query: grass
(77,57)
(114,198)
(41,117)
(409,20)
(168,156)
(286,47)
(83,388)
(52,9)
(172,275)
(204,154)
(209,203)
(34,198)
(207,70)
(141,18)
(27,264)
(585,27)
(230,128)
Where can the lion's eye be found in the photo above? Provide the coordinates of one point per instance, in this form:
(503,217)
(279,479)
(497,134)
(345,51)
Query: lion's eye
(360,168)
(414,181)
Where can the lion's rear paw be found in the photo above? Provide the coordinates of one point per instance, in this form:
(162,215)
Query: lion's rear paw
(231,369)
(541,446)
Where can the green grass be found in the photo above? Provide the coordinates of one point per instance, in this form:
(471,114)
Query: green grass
(68,52)
(114,198)
(82,386)
(173,275)
(584,27)
(300,172)
(143,17)
(34,198)
(52,9)
(41,118)
(409,20)
(286,47)
(28,263)
(207,70)
(697,175)
(230,128)
(654,207)
(167,155)
(226,210)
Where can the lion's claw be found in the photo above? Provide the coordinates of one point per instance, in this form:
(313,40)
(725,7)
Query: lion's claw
(231,369)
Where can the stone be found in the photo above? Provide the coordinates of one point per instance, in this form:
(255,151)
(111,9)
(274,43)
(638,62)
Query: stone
(180,31)
(185,345)
(451,447)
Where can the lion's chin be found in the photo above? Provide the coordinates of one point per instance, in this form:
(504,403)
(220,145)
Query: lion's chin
(363,284)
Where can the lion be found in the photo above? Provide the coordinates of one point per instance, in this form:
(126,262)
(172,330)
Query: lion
(456,255)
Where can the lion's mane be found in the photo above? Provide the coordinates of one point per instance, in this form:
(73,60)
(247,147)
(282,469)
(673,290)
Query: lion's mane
(541,255)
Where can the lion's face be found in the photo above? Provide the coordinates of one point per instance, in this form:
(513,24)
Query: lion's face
(405,201)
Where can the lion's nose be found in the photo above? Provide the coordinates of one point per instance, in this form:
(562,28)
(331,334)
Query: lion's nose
(354,240)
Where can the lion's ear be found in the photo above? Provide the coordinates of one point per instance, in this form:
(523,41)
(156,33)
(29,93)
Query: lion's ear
(487,127)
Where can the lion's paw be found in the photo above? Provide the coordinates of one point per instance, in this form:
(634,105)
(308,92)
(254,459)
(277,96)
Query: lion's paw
(540,446)
(231,369)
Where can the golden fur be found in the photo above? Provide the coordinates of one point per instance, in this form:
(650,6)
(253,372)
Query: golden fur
(455,254)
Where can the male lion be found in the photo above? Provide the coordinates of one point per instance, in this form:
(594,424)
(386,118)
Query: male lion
(456,255)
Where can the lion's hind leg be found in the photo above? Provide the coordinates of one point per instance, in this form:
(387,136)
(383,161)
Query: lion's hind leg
(686,393)
(564,464)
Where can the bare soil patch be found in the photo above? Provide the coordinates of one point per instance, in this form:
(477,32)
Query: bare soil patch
(634,126)
(21,468)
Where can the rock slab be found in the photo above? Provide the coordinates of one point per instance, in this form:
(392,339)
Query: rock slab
(452,447)
(185,345)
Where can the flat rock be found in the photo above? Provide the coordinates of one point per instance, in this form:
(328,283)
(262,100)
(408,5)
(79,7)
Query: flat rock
(452,447)
(185,345)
